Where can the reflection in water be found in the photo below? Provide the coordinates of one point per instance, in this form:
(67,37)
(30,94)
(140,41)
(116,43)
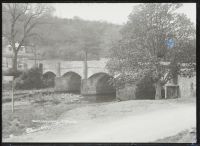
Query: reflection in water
(100,98)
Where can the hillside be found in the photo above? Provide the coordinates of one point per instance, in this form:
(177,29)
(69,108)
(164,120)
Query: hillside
(65,38)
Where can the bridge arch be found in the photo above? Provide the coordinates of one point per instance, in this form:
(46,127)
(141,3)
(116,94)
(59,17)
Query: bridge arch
(49,79)
(101,83)
(69,82)
(49,71)
(71,73)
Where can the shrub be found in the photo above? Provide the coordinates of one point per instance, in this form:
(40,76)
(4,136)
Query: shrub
(31,79)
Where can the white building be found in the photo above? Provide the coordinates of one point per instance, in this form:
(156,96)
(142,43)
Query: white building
(25,55)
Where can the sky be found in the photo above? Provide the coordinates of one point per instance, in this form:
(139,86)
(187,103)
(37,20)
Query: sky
(116,13)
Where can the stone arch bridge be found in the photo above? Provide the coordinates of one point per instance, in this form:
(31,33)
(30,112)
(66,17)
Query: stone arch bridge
(60,68)
(69,76)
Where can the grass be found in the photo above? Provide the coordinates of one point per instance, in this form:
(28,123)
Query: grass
(21,94)
(36,107)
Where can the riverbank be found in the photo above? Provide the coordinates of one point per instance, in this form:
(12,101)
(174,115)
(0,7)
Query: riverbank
(35,105)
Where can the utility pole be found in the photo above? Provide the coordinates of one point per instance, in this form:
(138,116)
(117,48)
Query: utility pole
(175,93)
(12,96)
(12,92)
(85,68)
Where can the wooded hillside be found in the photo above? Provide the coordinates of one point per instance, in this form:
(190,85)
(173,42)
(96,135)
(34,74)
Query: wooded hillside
(65,38)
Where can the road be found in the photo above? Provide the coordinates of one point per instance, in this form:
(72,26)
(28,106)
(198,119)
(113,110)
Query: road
(147,126)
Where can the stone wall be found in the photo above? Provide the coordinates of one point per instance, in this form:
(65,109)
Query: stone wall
(67,84)
(187,88)
(185,85)
(104,87)
(87,87)
(97,85)
(127,92)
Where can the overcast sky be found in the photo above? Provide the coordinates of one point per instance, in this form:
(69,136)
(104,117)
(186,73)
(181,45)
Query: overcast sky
(111,12)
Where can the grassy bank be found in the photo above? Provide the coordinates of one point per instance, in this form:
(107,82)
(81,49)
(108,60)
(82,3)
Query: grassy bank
(24,94)
(36,106)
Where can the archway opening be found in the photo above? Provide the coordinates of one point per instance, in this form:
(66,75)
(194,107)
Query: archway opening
(72,82)
(101,82)
(49,79)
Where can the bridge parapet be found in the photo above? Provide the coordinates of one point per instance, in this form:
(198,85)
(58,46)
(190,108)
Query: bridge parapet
(94,66)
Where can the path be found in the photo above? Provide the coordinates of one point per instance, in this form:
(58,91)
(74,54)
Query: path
(147,126)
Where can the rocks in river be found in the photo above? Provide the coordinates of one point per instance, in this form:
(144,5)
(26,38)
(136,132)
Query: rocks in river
(68,97)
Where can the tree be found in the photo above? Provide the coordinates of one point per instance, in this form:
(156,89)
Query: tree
(143,48)
(19,22)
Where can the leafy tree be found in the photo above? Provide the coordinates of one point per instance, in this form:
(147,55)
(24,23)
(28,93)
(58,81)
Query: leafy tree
(143,48)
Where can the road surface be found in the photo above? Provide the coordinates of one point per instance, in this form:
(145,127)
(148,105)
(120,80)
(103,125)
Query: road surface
(147,126)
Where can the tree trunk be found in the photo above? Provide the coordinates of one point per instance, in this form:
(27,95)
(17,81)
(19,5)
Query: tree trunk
(14,63)
(85,69)
(158,87)
(174,70)
(175,79)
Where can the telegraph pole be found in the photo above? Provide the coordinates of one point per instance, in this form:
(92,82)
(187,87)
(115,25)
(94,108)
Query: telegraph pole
(85,68)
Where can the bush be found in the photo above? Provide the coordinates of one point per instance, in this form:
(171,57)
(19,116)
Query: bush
(31,79)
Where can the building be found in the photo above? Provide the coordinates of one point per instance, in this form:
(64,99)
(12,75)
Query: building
(26,57)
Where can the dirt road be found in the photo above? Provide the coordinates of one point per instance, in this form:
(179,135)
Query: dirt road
(118,122)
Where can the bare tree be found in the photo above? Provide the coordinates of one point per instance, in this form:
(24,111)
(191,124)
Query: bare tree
(19,21)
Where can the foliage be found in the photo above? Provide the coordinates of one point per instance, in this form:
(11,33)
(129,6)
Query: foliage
(31,79)
(143,44)
(57,37)
(68,38)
